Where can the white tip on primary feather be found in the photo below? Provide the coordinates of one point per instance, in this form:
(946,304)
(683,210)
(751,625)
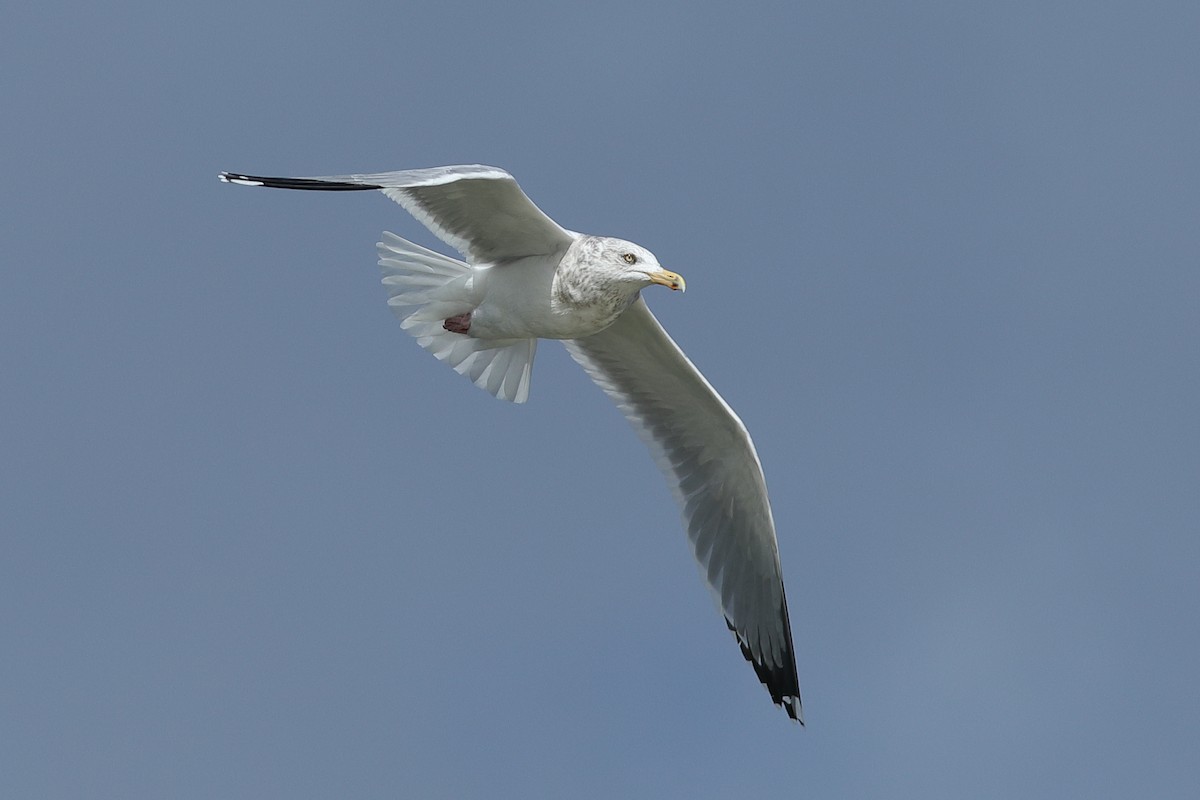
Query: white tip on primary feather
(228,177)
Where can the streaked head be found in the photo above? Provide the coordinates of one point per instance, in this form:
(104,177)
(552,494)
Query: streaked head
(636,264)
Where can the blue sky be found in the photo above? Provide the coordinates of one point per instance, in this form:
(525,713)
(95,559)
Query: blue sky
(941,257)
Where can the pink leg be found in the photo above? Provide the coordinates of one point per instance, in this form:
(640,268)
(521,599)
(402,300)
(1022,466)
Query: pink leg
(459,324)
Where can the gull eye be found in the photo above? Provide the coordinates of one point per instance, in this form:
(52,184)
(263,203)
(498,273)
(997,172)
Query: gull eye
(630,258)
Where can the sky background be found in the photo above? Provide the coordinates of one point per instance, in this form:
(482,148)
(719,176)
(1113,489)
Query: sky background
(942,258)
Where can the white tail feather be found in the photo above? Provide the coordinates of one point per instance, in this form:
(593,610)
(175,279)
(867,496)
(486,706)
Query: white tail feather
(425,289)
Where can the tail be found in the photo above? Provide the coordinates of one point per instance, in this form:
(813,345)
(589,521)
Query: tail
(425,289)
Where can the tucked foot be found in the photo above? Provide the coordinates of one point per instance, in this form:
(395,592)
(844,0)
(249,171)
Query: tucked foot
(459,324)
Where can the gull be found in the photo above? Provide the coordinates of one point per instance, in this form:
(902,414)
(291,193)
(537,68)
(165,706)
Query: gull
(527,278)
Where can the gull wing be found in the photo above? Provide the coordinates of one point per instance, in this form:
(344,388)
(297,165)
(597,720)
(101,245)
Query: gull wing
(479,211)
(713,470)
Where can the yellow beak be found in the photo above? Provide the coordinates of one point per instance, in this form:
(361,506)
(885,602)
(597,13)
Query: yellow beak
(672,280)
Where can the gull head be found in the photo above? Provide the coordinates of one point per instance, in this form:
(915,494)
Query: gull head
(633,265)
(599,277)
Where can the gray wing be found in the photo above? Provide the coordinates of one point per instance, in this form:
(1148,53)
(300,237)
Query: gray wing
(479,211)
(707,456)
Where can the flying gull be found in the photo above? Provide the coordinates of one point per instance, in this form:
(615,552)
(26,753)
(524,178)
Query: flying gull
(526,278)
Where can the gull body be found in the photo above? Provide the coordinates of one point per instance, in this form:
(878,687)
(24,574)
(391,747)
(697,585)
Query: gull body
(526,278)
(515,306)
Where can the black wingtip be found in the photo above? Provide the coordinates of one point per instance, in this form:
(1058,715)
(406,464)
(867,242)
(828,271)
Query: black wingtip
(310,184)
(780,680)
